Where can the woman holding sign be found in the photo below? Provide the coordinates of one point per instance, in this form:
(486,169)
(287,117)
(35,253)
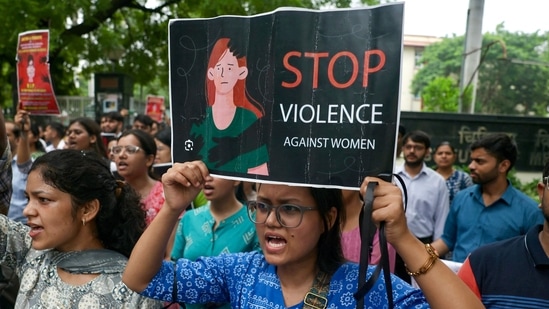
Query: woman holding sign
(231,112)
(299,233)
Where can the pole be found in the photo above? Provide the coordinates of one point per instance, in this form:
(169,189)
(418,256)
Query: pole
(472,53)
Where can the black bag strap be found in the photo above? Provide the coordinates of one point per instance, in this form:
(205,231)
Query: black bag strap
(367,231)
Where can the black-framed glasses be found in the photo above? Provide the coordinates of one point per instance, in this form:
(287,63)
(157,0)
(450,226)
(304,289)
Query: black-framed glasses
(130,149)
(288,215)
(415,147)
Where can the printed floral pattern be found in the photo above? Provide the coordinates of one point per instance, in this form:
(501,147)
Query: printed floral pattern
(246,280)
(41,286)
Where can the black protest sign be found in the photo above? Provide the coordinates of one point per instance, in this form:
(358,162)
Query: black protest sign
(294,96)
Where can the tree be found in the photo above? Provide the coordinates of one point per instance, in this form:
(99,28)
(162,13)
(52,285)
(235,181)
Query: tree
(85,34)
(440,95)
(513,70)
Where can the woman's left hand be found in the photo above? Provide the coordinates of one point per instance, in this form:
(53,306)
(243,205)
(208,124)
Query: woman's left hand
(388,207)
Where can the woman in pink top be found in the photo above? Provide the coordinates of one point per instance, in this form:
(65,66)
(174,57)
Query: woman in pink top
(134,156)
(350,235)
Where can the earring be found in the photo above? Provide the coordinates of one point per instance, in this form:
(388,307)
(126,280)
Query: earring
(83,222)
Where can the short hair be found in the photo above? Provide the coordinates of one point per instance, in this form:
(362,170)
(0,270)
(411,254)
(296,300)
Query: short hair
(499,145)
(417,136)
(57,127)
(114,116)
(144,119)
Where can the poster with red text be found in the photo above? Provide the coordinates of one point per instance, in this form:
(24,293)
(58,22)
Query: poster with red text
(35,88)
(296,96)
(155,107)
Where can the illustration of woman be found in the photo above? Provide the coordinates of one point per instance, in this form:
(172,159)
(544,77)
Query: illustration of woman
(231,115)
(31,70)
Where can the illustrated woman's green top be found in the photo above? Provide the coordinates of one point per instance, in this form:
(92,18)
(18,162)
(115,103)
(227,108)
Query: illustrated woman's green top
(243,118)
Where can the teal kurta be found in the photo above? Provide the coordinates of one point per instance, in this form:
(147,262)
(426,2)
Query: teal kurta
(196,236)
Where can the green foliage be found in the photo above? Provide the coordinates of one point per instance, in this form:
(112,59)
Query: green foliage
(529,188)
(440,95)
(514,70)
(85,34)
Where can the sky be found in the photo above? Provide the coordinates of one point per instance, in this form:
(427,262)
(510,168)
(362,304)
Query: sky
(447,17)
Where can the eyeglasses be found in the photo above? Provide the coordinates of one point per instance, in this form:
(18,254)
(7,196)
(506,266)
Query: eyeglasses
(414,147)
(130,149)
(546,182)
(288,215)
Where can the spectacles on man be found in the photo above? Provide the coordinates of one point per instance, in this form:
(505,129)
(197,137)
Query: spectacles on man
(129,149)
(288,215)
(414,147)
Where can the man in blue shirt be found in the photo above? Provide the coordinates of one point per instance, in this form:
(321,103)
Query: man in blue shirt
(491,210)
(488,271)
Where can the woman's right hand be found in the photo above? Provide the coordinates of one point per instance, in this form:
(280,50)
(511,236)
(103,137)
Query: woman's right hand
(182,183)
(22,120)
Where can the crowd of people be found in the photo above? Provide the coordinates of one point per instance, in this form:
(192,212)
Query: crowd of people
(89,222)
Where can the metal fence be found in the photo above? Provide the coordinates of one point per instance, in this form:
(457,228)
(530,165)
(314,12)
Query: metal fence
(76,106)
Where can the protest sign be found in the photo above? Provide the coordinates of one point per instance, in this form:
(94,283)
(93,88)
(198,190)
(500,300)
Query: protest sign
(293,96)
(155,107)
(33,74)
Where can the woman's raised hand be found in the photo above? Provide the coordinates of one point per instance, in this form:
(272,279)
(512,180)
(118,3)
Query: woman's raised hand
(182,182)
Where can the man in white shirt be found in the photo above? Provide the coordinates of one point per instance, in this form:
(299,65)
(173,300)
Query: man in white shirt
(54,134)
(428,197)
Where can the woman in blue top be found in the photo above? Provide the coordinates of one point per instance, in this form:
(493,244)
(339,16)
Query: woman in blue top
(456,180)
(298,230)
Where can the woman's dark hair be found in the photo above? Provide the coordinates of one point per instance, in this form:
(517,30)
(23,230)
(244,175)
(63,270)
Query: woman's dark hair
(445,143)
(165,136)
(330,252)
(35,129)
(147,143)
(86,176)
(93,129)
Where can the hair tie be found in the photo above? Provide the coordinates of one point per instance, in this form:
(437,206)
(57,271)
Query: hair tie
(119,186)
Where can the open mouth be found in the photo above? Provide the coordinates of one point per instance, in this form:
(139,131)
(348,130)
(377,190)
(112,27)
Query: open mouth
(35,229)
(208,189)
(275,241)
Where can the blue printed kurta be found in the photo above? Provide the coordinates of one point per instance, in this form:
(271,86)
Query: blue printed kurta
(246,280)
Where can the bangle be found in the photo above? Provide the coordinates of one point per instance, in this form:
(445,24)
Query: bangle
(433,257)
